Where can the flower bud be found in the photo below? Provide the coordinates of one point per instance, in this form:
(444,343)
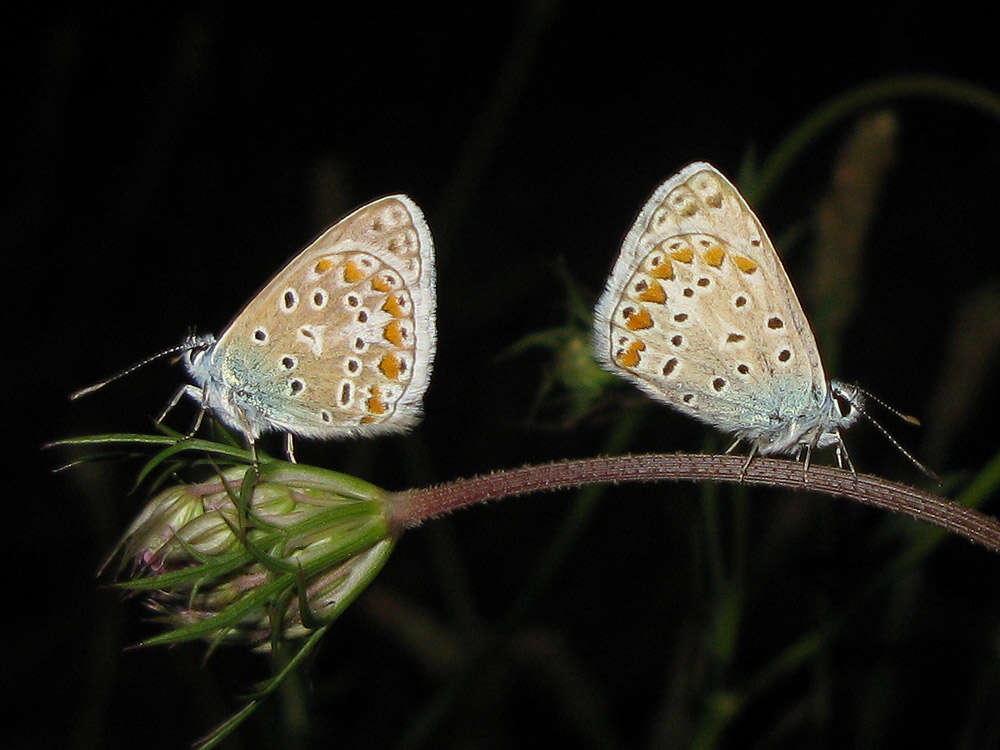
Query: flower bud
(249,558)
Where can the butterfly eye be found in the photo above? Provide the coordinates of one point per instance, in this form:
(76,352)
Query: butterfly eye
(844,405)
(195,355)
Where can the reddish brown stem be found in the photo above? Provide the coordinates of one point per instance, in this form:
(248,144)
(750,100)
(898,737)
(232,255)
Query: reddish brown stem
(412,507)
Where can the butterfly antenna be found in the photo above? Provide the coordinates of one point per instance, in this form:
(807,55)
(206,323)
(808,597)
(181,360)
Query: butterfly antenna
(910,457)
(188,344)
(908,418)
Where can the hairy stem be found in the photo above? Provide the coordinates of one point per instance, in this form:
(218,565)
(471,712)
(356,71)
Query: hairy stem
(412,507)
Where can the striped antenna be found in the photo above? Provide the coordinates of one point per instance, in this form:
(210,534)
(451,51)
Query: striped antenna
(905,417)
(872,397)
(191,342)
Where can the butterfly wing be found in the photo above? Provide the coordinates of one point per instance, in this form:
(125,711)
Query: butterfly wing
(341,341)
(700,314)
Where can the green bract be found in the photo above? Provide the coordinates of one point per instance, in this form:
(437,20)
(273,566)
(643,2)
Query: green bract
(251,558)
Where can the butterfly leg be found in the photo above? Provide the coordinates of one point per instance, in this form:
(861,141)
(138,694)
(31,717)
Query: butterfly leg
(732,447)
(746,465)
(252,445)
(248,436)
(195,393)
(197,423)
(192,391)
(807,447)
(290,448)
(843,456)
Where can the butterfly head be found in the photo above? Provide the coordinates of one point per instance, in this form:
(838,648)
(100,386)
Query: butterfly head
(848,404)
(196,355)
(845,405)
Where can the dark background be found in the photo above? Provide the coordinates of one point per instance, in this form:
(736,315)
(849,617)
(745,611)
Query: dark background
(163,166)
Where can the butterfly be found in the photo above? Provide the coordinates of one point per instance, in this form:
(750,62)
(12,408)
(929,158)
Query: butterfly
(339,343)
(699,313)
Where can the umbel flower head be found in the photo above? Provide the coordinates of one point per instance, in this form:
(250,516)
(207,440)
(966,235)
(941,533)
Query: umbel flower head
(256,555)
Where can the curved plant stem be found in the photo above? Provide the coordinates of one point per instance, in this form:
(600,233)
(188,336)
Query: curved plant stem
(412,507)
(836,110)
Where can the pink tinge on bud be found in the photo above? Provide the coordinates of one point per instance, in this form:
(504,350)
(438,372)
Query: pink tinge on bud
(149,560)
(213,569)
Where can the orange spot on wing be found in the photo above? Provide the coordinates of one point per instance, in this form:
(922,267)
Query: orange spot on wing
(352,274)
(323,265)
(744,264)
(684,256)
(630,357)
(664,270)
(390,366)
(392,307)
(639,320)
(654,293)
(374,403)
(393,333)
(714,255)
(381,284)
